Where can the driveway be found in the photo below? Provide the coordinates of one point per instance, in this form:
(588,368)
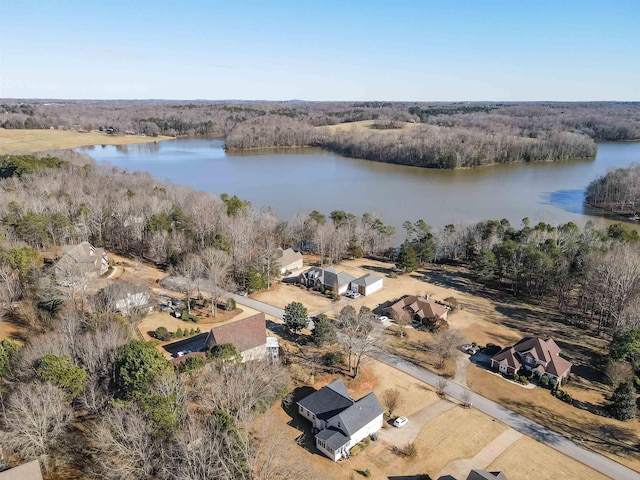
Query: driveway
(523,425)
(399,437)
(256,305)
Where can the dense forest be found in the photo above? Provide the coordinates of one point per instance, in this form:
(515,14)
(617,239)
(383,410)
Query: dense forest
(443,135)
(81,379)
(617,191)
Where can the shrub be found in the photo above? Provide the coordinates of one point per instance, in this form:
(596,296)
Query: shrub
(327,292)
(191,364)
(367,473)
(410,450)
(392,275)
(198,330)
(553,383)
(230,305)
(332,358)
(161,333)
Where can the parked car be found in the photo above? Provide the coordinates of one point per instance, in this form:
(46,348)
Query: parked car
(473,350)
(242,293)
(353,294)
(383,318)
(400,422)
(163,307)
(466,347)
(180,353)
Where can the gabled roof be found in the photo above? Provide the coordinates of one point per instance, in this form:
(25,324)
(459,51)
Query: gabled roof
(121,291)
(334,279)
(366,280)
(333,437)
(507,356)
(288,256)
(558,366)
(485,475)
(244,334)
(420,306)
(328,401)
(545,351)
(26,471)
(360,414)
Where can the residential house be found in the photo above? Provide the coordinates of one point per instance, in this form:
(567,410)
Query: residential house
(248,335)
(124,297)
(342,421)
(542,357)
(485,475)
(289,260)
(337,281)
(26,471)
(83,259)
(366,284)
(314,277)
(421,309)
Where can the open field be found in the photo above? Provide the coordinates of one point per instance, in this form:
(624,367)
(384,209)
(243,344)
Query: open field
(30,141)
(363,126)
(281,294)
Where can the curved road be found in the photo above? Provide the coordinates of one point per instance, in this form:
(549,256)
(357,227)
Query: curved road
(523,425)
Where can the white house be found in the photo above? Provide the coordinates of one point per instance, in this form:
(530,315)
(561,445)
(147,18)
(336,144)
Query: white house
(124,297)
(289,260)
(366,284)
(342,422)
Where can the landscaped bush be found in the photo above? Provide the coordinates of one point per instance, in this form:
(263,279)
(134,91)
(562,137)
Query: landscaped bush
(491,349)
(544,381)
(553,384)
(331,359)
(359,447)
(161,333)
(392,275)
(230,305)
(178,333)
(190,317)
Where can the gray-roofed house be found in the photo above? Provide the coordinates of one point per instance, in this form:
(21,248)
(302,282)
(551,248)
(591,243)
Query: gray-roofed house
(342,421)
(84,259)
(337,281)
(124,297)
(289,260)
(366,284)
(26,471)
(314,277)
(485,475)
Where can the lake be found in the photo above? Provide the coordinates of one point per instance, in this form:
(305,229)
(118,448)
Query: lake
(296,180)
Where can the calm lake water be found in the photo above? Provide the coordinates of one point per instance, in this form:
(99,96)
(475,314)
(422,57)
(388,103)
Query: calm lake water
(306,179)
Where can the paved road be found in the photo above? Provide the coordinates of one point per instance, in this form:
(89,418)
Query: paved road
(256,305)
(523,425)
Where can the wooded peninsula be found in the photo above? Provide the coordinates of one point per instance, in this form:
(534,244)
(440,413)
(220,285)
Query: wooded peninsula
(435,135)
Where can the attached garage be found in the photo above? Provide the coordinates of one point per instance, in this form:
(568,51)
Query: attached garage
(367,284)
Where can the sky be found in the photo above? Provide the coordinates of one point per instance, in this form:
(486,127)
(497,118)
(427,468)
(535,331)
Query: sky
(419,50)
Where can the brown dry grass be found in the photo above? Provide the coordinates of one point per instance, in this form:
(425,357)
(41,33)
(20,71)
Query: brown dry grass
(281,294)
(456,434)
(615,439)
(30,141)
(528,459)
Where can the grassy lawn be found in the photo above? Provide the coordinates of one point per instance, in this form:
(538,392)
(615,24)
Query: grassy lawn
(30,141)
(617,440)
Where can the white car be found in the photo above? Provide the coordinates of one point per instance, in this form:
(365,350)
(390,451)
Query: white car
(353,294)
(180,353)
(400,422)
(383,318)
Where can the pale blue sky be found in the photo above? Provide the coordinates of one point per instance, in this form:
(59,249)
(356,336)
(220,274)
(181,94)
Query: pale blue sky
(321,50)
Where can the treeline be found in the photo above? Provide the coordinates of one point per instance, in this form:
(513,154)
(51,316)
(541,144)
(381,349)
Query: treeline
(19,165)
(617,191)
(454,147)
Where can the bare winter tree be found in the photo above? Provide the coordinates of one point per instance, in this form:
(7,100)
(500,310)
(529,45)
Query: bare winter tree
(356,334)
(34,419)
(125,445)
(391,399)
(444,344)
(619,372)
(217,265)
(403,319)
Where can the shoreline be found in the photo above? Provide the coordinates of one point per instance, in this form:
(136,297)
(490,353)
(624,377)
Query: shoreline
(23,141)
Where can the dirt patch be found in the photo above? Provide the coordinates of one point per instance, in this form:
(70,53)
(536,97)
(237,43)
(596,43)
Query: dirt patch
(528,459)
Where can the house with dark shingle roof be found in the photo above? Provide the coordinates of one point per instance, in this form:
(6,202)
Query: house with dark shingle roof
(82,259)
(542,357)
(485,475)
(342,422)
(248,335)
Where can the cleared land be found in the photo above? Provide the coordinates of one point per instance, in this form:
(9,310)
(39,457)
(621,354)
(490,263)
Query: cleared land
(30,141)
(364,126)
